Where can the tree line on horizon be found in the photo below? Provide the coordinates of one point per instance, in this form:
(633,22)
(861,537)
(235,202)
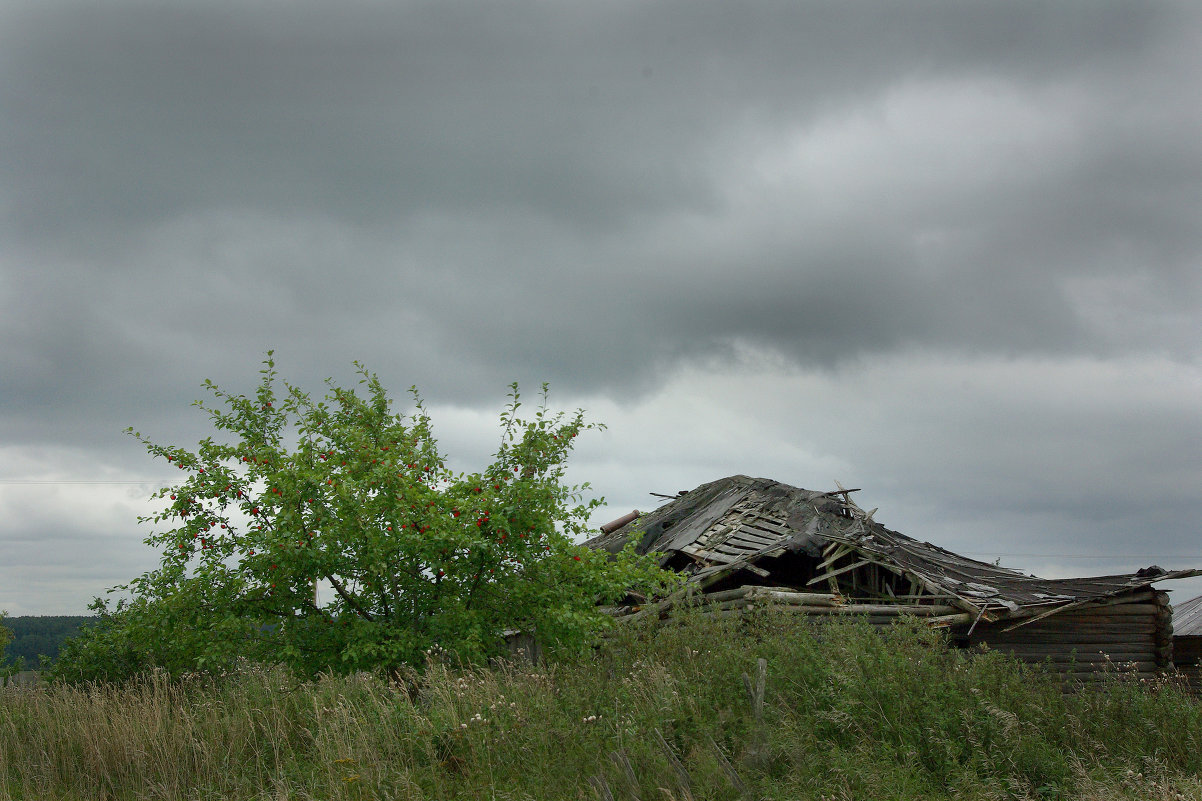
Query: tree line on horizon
(37,636)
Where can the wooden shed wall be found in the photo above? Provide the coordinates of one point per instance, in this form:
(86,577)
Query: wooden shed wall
(1187,656)
(1130,636)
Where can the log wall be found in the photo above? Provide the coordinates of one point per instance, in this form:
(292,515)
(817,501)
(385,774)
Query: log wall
(1132,635)
(1187,656)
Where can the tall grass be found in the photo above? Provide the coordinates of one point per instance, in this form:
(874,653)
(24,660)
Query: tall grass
(848,712)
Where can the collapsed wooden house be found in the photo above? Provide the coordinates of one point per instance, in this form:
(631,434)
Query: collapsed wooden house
(1187,640)
(745,542)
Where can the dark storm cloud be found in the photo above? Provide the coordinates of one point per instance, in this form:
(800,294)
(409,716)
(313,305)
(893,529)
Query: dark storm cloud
(131,113)
(603,195)
(581,128)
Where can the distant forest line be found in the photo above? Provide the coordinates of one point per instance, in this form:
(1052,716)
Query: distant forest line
(35,636)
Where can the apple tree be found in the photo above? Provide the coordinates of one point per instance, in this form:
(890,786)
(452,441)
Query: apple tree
(330,534)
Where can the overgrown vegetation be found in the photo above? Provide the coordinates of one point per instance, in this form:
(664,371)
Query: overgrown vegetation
(35,637)
(329,535)
(848,712)
(6,637)
(230,676)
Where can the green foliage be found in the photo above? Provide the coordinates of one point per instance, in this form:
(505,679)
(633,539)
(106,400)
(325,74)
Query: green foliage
(344,498)
(849,712)
(126,639)
(38,637)
(6,637)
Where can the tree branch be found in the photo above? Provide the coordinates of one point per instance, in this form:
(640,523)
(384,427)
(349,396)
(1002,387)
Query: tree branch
(351,601)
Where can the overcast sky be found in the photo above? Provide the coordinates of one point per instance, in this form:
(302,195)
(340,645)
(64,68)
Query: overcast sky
(947,252)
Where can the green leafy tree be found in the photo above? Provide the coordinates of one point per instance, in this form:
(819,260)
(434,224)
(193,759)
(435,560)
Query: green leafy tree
(331,535)
(6,635)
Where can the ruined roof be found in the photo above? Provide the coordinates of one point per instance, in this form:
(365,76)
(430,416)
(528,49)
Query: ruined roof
(1187,618)
(734,523)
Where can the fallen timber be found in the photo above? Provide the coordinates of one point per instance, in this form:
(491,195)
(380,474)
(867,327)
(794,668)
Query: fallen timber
(750,597)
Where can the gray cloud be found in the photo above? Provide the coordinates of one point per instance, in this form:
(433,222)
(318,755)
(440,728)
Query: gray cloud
(604,196)
(581,128)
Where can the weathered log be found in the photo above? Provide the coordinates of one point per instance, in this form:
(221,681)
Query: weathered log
(1149,609)
(876,620)
(1083,654)
(1086,604)
(1035,634)
(735,603)
(800,598)
(950,620)
(918,610)
(850,610)
(1108,647)
(1099,661)
(727,595)
(1097,641)
(783,594)
(1081,657)
(1133,627)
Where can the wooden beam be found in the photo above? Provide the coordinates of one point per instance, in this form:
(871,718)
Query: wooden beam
(840,571)
(834,552)
(950,620)
(1084,603)
(790,597)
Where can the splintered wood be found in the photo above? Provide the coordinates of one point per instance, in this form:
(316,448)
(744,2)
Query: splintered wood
(748,597)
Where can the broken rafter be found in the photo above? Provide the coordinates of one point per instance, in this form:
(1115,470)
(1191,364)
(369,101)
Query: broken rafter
(831,574)
(726,570)
(980,615)
(925,596)
(837,551)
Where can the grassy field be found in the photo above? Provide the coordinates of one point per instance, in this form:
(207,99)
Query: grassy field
(844,713)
